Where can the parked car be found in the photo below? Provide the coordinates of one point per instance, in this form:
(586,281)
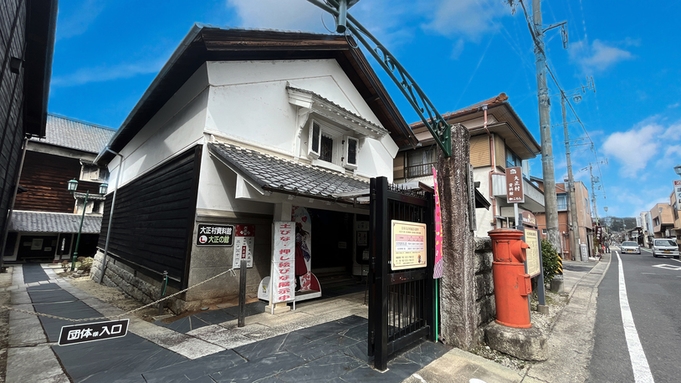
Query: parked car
(630,247)
(665,246)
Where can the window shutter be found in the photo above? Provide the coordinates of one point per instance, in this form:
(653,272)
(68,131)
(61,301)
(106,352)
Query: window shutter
(314,140)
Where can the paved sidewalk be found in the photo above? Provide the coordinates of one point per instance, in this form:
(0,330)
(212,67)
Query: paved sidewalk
(322,340)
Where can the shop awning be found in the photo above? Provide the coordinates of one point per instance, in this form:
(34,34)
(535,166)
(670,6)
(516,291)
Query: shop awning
(43,222)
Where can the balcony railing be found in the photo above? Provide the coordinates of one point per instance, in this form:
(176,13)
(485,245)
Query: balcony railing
(420,170)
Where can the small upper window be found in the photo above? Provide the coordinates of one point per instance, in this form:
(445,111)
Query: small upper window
(91,172)
(328,144)
(512,159)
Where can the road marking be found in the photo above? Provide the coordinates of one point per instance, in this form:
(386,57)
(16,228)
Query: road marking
(639,362)
(668,267)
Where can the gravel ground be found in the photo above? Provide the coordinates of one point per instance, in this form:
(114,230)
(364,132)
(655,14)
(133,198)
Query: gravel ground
(111,295)
(556,303)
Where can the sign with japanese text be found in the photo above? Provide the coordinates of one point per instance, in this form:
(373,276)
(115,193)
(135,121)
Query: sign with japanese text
(514,185)
(408,245)
(244,239)
(283,261)
(215,235)
(90,332)
(677,191)
(533,260)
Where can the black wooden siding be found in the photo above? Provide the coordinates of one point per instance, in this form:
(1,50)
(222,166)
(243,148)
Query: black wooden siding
(154,218)
(12,33)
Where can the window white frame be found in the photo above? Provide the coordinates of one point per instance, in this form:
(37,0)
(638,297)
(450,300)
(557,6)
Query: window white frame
(342,145)
(350,152)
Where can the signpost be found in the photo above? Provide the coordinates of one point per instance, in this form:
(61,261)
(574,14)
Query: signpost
(90,332)
(515,193)
(677,191)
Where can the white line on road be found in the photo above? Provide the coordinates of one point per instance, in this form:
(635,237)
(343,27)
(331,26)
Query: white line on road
(639,362)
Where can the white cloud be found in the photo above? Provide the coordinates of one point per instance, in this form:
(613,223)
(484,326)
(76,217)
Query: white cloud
(384,19)
(109,72)
(467,18)
(79,20)
(599,56)
(635,147)
(284,15)
(647,147)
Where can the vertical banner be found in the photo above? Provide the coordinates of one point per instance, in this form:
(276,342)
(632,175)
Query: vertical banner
(439,263)
(283,277)
(244,239)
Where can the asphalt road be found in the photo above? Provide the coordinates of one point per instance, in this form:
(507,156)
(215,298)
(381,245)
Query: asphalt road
(650,348)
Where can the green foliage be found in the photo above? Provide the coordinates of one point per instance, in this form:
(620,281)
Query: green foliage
(551,262)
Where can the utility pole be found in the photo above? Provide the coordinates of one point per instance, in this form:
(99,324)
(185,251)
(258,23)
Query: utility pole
(537,32)
(574,226)
(550,200)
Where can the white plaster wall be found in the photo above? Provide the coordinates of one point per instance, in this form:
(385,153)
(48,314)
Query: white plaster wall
(483,217)
(217,184)
(176,127)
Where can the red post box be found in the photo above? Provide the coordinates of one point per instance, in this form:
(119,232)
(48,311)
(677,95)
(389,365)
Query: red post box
(512,285)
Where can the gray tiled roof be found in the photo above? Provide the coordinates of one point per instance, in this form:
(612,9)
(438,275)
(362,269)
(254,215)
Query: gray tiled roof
(278,174)
(72,134)
(43,222)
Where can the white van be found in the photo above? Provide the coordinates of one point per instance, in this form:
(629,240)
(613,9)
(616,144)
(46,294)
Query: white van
(665,246)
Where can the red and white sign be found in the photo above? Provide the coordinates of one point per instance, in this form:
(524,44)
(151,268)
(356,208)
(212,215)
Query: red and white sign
(244,240)
(283,266)
(514,185)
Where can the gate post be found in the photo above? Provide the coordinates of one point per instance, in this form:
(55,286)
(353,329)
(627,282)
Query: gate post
(378,274)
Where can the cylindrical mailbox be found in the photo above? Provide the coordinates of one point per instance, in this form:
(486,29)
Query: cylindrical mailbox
(512,285)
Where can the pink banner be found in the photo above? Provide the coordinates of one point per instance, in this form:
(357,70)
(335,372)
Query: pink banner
(439,262)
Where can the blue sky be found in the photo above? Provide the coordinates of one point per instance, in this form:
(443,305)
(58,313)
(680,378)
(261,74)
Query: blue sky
(107,52)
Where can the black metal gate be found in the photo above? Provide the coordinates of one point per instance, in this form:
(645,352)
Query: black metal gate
(400,302)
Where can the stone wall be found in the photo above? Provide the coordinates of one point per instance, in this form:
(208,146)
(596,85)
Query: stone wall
(484,286)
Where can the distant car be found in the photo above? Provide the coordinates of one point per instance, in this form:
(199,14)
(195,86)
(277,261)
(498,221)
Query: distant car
(630,247)
(665,246)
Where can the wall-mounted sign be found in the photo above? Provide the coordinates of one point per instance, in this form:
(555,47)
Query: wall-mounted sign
(408,245)
(215,235)
(529,219)
(514,185)
(244,240)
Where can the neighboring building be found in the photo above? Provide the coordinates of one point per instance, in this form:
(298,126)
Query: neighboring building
(646,228)
(498,140)
(239,130)
(26,47)
(662,217)
(46,216)
(584,222)
(675,205)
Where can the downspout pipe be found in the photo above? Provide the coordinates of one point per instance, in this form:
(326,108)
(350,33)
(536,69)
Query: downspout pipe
(113,204)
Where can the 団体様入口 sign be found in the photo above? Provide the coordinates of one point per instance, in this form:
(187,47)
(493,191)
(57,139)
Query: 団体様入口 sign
(215,235)
(90,332)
